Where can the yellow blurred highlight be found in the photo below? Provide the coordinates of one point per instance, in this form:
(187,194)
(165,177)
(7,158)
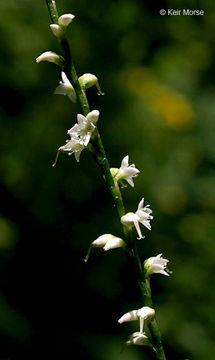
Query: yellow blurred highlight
(173,108)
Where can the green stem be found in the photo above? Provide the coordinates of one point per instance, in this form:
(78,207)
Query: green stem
(145,288)
(97,149)
(52,10)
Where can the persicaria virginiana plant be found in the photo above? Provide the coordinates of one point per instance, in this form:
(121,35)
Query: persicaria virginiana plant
(84,135)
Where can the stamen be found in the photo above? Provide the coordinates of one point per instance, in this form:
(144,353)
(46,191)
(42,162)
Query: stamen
(55,162)
(88,254)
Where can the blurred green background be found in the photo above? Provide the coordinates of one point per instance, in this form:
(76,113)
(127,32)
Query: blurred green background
(158,76)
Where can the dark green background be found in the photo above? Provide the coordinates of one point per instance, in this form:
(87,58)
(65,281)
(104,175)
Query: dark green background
(158,76)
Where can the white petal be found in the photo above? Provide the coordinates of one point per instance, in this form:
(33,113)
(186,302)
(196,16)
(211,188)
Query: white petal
(81,119)
(72,95)
(140,206)
(65,78)
(124,163)
(146,223)
(130,181)
(60,90)
(86,139)
(163,272)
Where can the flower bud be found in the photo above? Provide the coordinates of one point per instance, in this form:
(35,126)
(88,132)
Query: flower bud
(107,242)
(51,57)
(87,80)
(65,19)
(129,316)
(93,116)
(57,30)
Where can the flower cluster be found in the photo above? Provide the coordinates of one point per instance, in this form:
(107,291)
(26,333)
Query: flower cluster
(143,314)
(80,135)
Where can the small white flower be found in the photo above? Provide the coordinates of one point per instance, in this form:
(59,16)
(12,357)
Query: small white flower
(126,172)
(66,88)
(57,30)
(72,146)
(65,19)
(138,338)
(85,126)
(142,215)
(51,57)
(156,265)
(107,242)
(144,313)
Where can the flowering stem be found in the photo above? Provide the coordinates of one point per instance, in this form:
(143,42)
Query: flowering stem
(97,149)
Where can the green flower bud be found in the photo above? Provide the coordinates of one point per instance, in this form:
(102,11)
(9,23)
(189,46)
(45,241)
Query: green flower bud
(88,80)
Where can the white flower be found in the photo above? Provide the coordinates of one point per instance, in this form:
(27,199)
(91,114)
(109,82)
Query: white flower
(85,126)
(51,57)
(126,172)
(57,30)
(107,242)
(142,215)
(144,313)
(156,265)
(65,19)
(138,338)
(66,88)
(72,146)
